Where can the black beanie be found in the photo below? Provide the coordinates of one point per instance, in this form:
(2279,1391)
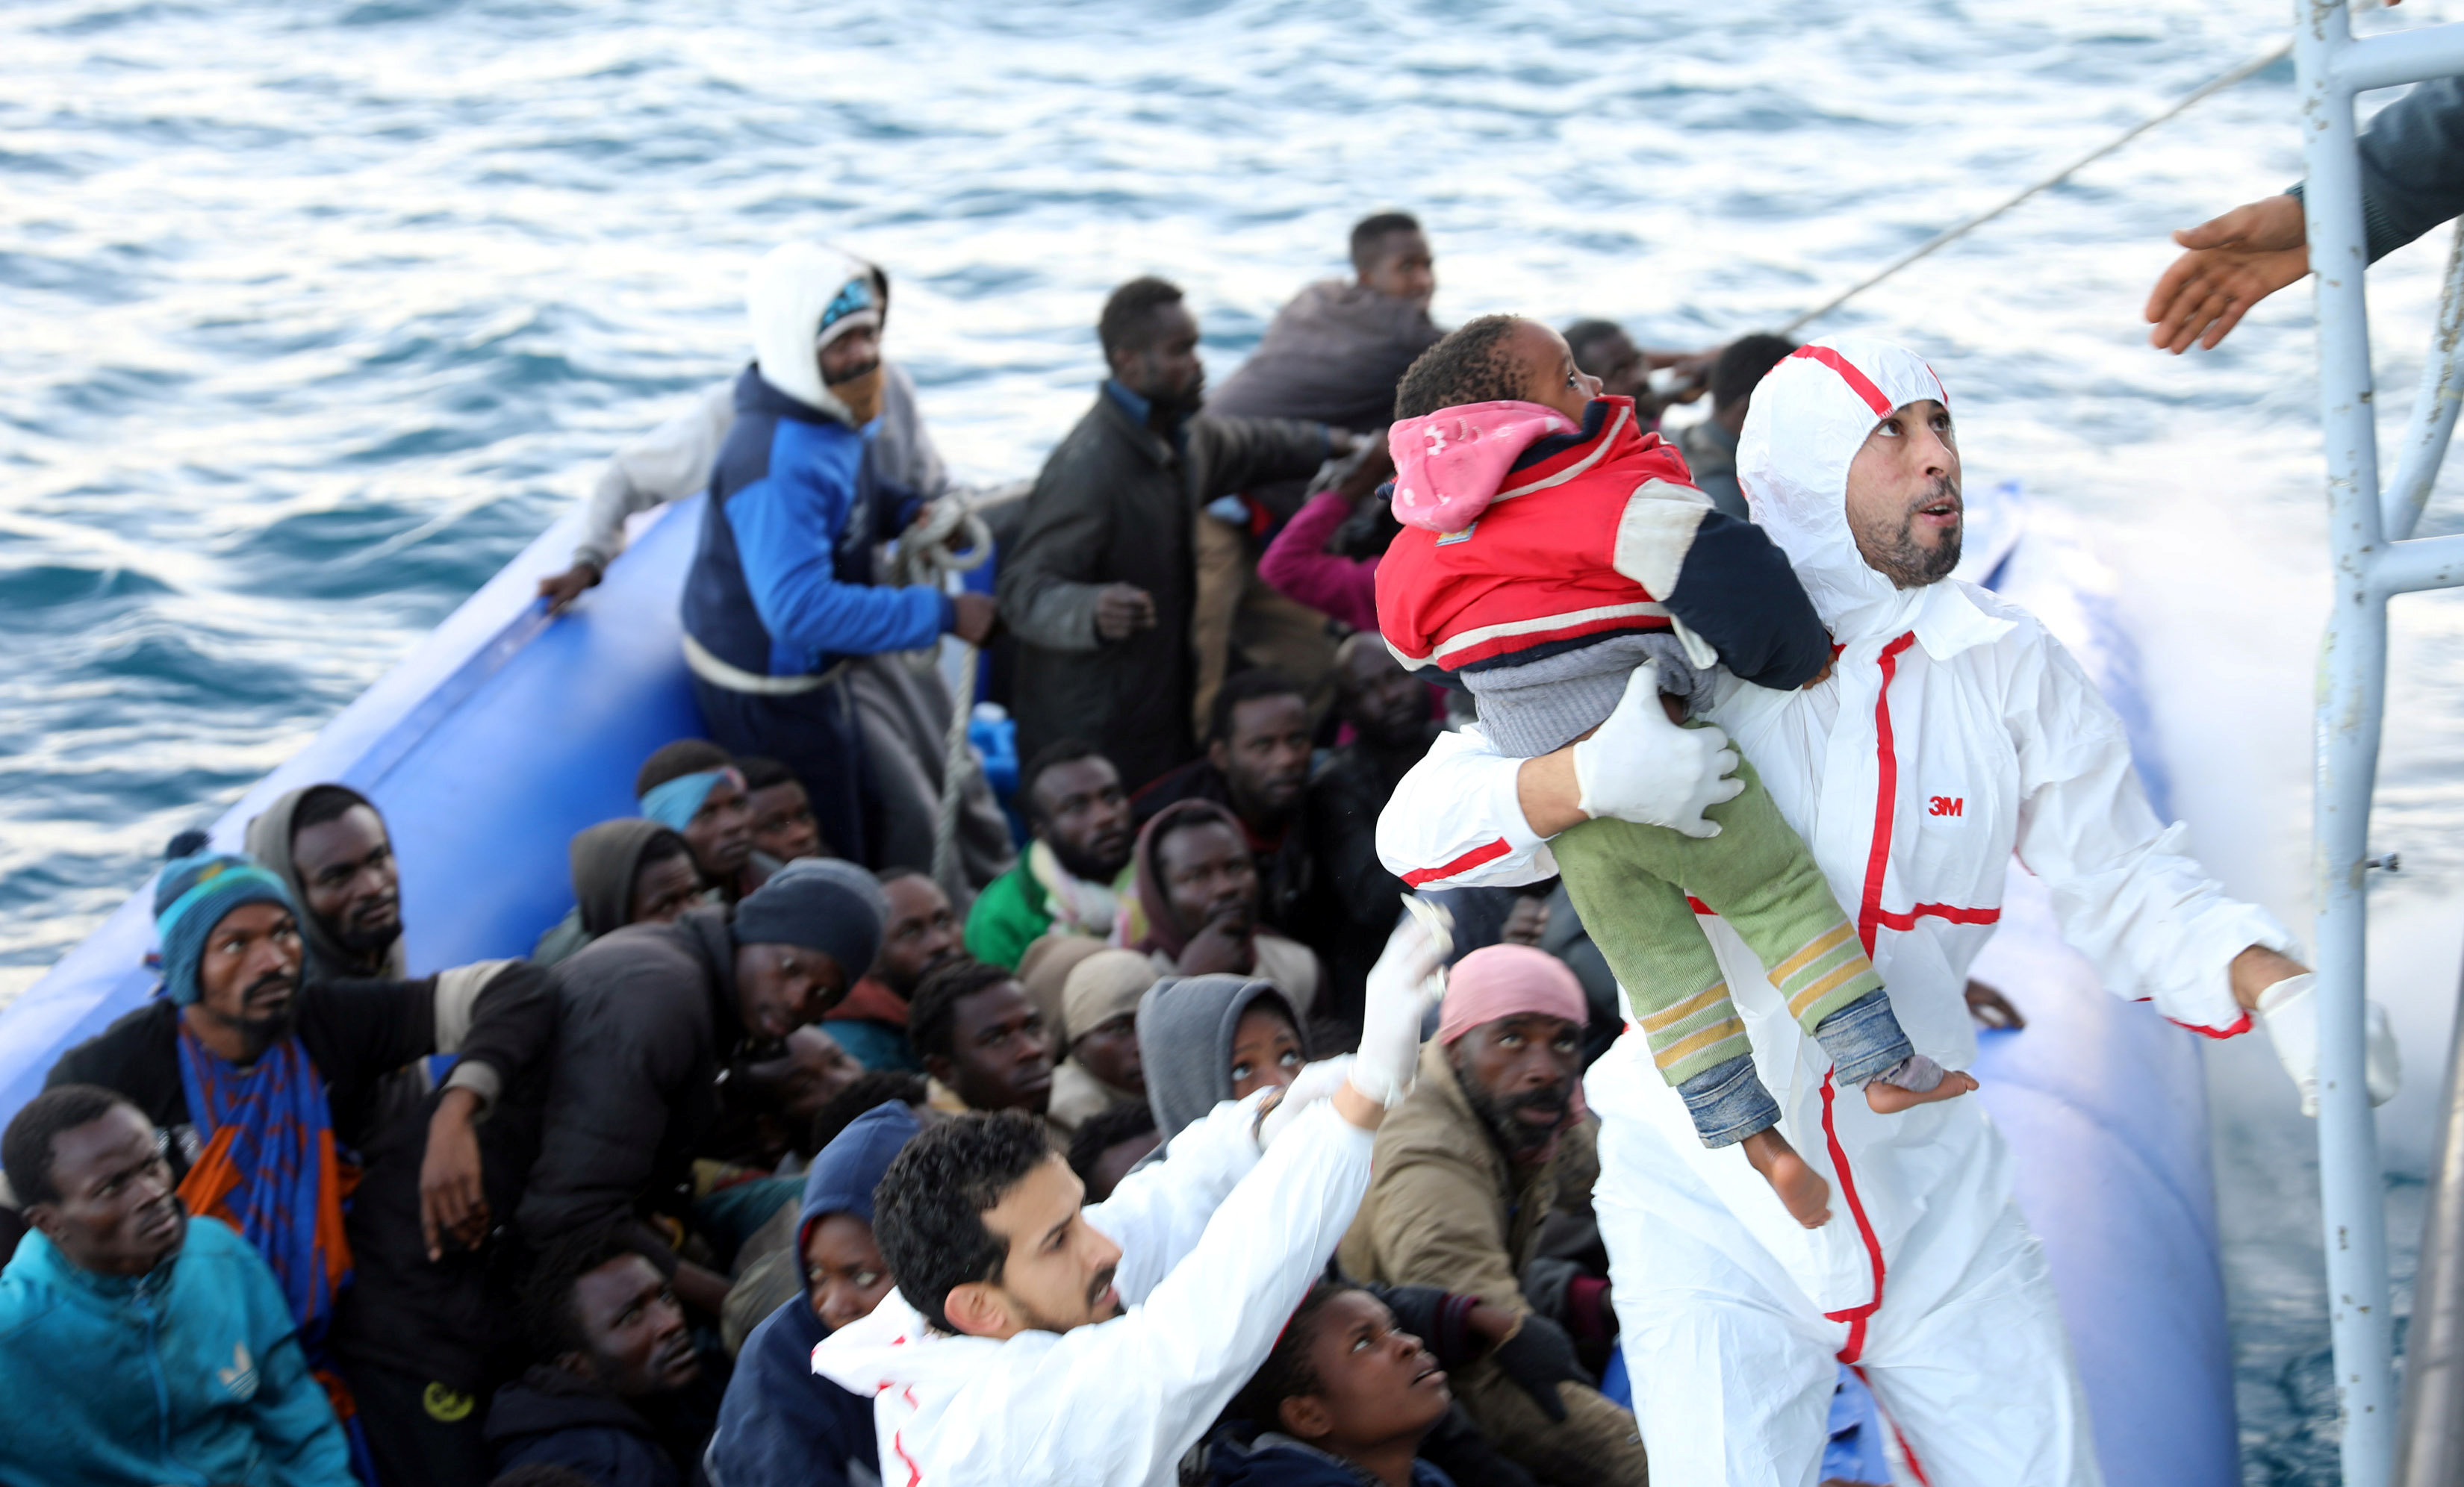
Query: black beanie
(818,903)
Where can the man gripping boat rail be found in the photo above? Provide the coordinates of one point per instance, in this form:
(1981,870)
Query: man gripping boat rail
(1927,1279)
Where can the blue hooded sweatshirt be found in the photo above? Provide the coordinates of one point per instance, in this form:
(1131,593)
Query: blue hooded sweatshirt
(189,1374)
(782,1425)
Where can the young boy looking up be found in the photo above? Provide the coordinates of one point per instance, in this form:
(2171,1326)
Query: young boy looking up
(1558,562)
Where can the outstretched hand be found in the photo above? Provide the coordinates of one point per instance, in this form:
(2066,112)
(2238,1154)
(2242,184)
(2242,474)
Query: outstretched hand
(2235,261)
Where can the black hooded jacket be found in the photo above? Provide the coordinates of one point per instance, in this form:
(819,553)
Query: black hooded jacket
(646,1019)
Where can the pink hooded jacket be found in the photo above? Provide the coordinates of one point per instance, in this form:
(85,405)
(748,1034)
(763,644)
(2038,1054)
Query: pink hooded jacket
(1450,464)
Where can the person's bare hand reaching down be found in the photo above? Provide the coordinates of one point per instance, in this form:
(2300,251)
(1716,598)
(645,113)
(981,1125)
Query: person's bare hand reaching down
(2235,261)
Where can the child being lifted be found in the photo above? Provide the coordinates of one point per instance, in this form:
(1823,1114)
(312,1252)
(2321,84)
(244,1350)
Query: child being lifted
(1555,558)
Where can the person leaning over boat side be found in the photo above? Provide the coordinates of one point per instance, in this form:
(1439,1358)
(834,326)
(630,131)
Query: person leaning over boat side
(782,590)
(122,1310)
(1990,739)
(268,1085)
(646,1019)
(2412,180)
(1099,586)
(1033,1340)
(1331,355)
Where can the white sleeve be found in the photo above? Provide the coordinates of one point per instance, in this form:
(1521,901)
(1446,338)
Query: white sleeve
(1455,822)
(2126,891)
(1158,1213)
(667,464)
(1124,1399)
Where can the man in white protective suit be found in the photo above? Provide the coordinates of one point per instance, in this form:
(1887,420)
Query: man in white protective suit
(1035,1343)
(1952,732)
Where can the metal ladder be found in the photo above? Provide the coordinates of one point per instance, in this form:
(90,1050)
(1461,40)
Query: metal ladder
(2375,558)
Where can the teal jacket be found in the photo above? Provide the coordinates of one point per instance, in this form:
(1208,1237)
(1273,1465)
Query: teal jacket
(191,1374)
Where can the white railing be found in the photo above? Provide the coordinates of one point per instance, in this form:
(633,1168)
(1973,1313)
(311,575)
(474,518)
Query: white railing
(2372,561)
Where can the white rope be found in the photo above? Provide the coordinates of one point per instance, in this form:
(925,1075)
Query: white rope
(924,555)
(1950,235)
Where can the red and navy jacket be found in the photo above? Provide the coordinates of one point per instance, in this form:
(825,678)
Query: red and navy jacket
(1597,533)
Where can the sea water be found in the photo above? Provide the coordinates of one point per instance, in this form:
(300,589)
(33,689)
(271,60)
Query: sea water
(311,313)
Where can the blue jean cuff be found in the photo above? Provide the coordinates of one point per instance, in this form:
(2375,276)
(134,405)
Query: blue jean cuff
(1728,1102)
(1863,1039)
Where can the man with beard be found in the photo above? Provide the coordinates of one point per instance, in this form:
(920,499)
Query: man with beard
(1075,874)
(272,1092)
(1099,586)
(121,1309)
(1036,1340)
(919,935)
(1257,763)
(1991,740)
(1355,899)
(1492,1141)
(615,1400)
(782,595)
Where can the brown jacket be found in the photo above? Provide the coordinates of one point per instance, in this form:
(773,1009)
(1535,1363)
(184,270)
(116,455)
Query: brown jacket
(1446,1208)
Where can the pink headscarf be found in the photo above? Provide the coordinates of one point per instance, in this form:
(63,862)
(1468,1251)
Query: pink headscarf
(1508,981)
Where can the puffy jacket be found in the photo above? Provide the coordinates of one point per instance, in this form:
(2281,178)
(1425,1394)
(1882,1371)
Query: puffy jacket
(648,1019)
(1524,536)
(191,1374)
(1114,505)
(1954,732)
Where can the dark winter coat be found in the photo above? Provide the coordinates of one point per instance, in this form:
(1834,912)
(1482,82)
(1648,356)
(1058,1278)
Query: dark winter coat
(554,1418)
(647,1018)
(1114,504)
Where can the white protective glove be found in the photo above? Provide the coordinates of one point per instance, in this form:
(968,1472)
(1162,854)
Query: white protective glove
(1640,767)
(2290,1009)
(1406,979)
(1312,1085)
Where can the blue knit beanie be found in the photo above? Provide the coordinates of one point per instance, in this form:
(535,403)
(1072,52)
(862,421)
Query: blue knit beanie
(818,902)
(191,896)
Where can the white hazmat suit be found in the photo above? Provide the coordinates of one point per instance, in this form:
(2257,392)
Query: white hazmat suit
(1954,732)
